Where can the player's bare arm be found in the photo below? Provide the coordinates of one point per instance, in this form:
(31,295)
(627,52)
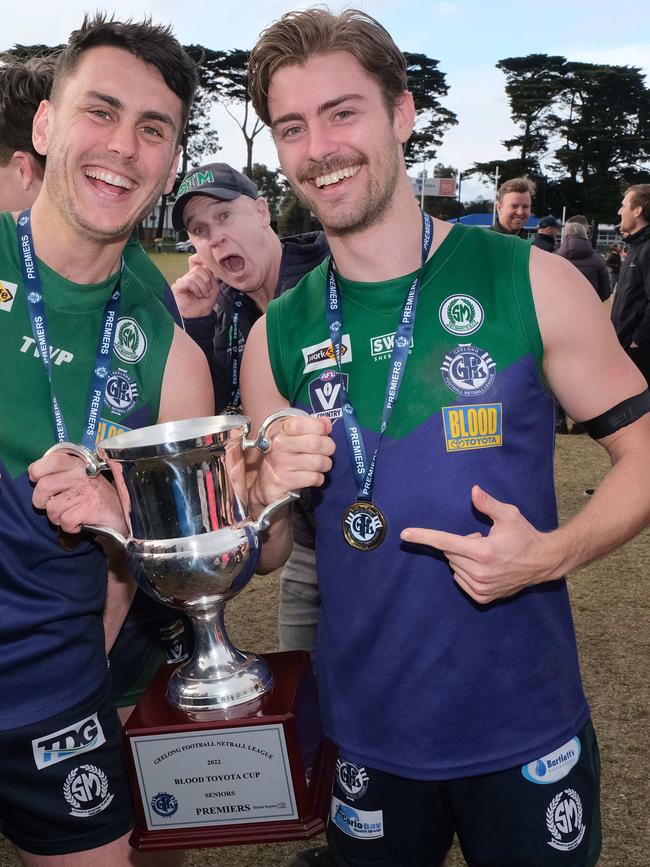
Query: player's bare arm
(187,386)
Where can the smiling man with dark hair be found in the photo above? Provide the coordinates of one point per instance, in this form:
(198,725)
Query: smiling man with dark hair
(91,350)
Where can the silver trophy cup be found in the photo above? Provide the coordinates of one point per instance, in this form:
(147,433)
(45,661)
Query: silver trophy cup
(191,543)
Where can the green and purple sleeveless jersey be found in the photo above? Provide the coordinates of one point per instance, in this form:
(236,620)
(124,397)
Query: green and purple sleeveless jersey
(51,600)
(415,678)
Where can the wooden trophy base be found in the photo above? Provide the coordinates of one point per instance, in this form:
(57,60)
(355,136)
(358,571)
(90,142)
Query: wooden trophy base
(256,773)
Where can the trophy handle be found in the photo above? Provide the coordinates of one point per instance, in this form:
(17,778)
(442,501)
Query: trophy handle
(94,466)
(261,442)
(264,518)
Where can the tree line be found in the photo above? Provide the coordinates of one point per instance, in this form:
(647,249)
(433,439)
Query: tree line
(583,129)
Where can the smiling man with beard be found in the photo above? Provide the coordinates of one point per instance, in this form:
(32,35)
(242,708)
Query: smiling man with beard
(446,661)
(88,349)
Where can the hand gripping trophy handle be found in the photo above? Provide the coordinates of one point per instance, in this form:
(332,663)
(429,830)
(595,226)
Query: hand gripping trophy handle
(191,543)
(95,465)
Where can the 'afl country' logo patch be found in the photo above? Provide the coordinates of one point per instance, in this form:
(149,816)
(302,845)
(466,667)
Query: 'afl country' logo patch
(322,355)
(553,766)
(473,426)
(325,393)
(86,790)
(130,340)
(468,370)
(164,804)
(352,779)
(121,392)
(564,821)
(461,314)
(7,295)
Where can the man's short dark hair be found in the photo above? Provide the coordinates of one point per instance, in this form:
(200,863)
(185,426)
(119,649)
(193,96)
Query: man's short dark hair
(517,185)
(24,84)
(151,43)
(640,198)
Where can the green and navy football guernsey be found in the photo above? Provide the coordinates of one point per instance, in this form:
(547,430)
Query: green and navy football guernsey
(415,678)
(51,600)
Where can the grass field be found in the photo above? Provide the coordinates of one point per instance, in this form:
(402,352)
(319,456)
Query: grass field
(173,265)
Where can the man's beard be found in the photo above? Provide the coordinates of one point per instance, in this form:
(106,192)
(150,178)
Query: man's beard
(68,206)
(366,211)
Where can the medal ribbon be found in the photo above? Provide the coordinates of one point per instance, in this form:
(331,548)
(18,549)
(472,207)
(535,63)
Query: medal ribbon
(235,355)
(362,472)
(104,354)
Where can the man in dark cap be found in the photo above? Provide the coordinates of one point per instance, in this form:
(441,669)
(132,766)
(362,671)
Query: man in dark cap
(239,267)
(545,237)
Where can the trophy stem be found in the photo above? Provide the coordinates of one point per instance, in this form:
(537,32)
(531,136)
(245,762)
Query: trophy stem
(218,675)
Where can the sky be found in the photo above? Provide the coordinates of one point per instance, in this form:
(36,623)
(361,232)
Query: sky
(467,38)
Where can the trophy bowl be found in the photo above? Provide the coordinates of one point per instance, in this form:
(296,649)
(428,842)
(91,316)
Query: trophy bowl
(191,543)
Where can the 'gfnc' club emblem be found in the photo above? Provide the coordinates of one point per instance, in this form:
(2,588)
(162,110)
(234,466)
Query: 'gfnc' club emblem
(121,392)
(468,370)
(352,779)
(164,804)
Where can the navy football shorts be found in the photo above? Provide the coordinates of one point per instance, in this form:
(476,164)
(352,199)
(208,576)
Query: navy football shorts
(542,814)
(63,782)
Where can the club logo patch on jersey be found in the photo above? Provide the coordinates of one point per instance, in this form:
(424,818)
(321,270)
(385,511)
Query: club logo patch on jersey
(362,824)
(352,779)
(80,737)
(121,392)
(564,821)
(468,370)
(381,347)
(130,340)
(7,295)
(553,766)
(164,804)
(321,355)
(461,314)
(325,393)
(473,426)
(86,790)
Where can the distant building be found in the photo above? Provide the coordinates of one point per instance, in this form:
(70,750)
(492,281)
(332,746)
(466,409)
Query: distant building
(433,187)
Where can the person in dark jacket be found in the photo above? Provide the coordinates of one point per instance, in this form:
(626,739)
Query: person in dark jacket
(631,308)
(613,264)
(576,247)
(239,267)
(545,237)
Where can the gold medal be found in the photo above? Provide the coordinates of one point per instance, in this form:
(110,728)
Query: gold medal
(364,526)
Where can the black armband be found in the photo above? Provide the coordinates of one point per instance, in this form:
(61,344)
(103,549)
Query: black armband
(621,415)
